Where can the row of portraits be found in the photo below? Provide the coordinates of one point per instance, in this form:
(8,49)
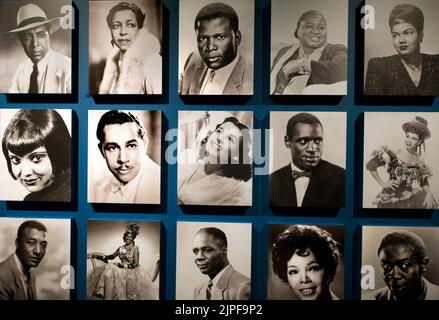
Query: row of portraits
(215,152)
(309,40)
(214,261)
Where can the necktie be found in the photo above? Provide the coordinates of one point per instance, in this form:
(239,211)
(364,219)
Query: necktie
(299,174)
(30,295)
(209,290)
(212,74)
(33,83)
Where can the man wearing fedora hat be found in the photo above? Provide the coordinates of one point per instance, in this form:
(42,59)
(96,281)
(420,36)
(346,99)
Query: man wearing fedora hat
(46,71)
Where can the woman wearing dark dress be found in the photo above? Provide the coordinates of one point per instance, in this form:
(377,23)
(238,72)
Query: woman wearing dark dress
(409,72)
(37,148)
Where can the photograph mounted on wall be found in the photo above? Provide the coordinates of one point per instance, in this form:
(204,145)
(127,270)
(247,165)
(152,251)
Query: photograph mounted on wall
(125,47)
(216,47)
(401,161)
(37,149)
(309,47)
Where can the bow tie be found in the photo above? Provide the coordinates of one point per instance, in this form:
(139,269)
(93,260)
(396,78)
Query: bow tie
(299,174)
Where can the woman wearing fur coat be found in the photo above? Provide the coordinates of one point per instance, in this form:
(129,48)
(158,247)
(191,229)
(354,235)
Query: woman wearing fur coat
(134,65)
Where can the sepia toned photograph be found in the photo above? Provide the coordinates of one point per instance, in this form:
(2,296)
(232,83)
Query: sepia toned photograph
(307,159)
(400,263)
(215,158)
(309,47)
(401,56)
(305,262)
(36,46)
(36,164)
(124,156)
(35,259)
(216,47)
(125,47)
(401,160)
(213,261)
(123,260)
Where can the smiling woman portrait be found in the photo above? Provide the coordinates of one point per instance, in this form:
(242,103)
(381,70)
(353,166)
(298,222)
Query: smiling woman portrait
(133,62)
(409,71)
(215,162)
(307,259)
(305,57)
(37,147)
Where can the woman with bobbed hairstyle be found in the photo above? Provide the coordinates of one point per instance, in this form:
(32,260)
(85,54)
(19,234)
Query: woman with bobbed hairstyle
(221,172)
(306,257)
(134,66)
(37,147)
(409,72)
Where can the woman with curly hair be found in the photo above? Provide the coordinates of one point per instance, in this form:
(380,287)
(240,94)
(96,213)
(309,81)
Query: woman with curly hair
(123,280)
(306,257)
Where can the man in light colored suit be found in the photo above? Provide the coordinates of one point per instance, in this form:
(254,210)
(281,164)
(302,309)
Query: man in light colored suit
(210,254)
(217,68)
(135,177)
(16,279)
(46,71)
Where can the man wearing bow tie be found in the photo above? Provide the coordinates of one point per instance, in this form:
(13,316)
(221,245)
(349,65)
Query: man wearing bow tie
(308,181)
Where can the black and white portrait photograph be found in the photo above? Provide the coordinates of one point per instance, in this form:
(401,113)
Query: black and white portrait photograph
(123,260)
(215,158)
(124,156)
(305,262)
(36,46)
(401,160)
(36,162)
(309,47)
(307,159)
(216,47)
(213,261)
(35,259)
(401,56)
(400,263)
(125,47)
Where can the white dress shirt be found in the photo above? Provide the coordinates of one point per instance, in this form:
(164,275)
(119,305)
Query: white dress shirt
(414,71)
(301,185)
(215,80)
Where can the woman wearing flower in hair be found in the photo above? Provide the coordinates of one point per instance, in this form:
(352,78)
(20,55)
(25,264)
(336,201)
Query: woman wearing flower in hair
(407,186)
(123,280)
(134,66)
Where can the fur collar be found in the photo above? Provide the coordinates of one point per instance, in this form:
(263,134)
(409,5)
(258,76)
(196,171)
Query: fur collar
(129,77)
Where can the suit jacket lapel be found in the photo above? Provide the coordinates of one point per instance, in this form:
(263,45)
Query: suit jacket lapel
(314,187)
(222,284)
(21,292)
(290,195)
(234,83)
(197,79)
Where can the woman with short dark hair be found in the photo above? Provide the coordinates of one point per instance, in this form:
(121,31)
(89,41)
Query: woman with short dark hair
(306,257)
(37,148)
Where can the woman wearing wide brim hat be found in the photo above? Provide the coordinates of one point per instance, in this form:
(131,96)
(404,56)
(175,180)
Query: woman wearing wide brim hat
(32,16)
(408,185)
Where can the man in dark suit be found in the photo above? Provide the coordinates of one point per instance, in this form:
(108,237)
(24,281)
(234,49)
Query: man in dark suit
(308,181)
(217,68)
(404,261)
(16,280)
(210,254)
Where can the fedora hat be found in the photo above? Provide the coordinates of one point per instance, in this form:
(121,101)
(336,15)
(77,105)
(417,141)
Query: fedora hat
(31,16)
(420,125)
